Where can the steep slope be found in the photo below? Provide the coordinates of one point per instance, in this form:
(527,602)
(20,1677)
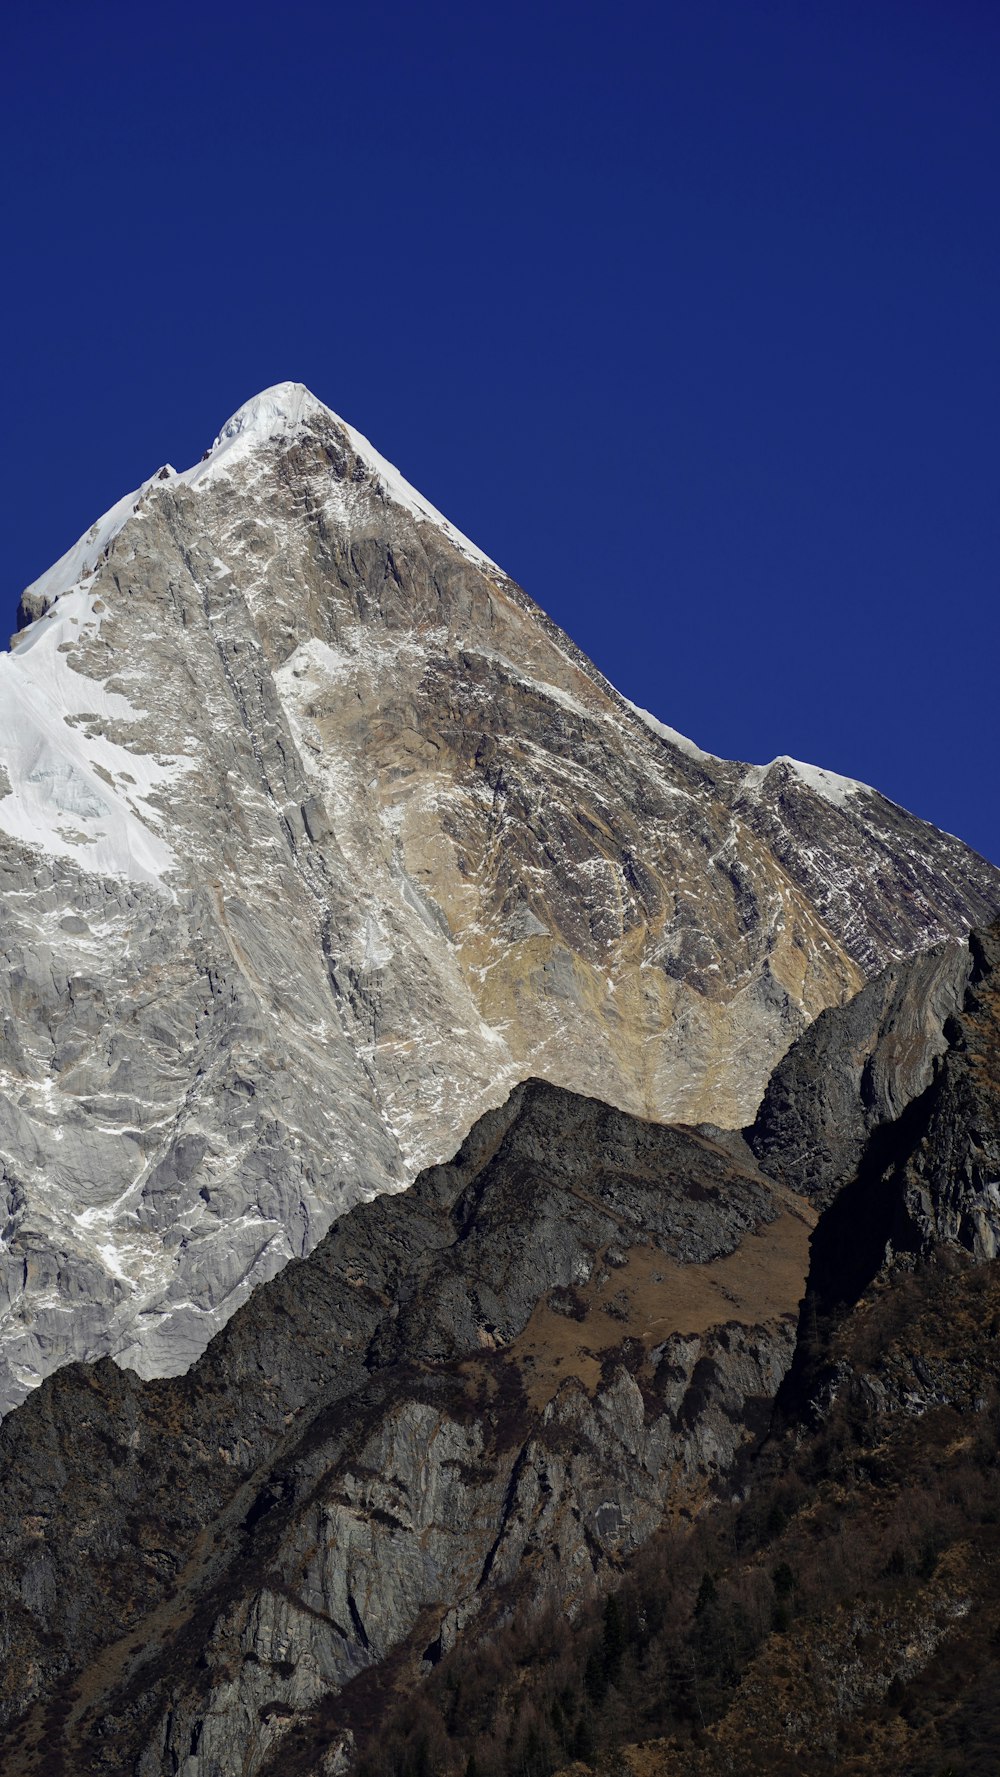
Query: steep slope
(859,1067)
(841,1610)
(488,1393)
(316,836)
(844,1617)
(855,1615)
(477,1390)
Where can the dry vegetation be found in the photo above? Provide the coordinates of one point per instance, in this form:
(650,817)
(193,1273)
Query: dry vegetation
(639,1293)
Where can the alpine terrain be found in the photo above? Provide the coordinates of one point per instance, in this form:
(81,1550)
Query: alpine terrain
(541,1463)
(501,1206)
(317,840)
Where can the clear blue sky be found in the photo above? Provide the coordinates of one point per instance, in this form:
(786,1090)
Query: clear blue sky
(687,313)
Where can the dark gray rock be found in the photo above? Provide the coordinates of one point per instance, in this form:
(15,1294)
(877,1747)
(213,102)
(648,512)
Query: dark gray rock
(856,1068)
(480,1387)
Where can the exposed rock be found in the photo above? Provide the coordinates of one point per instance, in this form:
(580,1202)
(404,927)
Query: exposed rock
(858,1066)
(845,1612)
(900,1108)
(488,1391)
(951,1178)
(319,836)
(392,1439)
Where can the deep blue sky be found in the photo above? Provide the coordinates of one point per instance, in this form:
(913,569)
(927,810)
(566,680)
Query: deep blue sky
(687,313)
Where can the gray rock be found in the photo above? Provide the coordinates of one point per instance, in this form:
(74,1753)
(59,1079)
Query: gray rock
(330,837)
(390,1441)
(858,1067)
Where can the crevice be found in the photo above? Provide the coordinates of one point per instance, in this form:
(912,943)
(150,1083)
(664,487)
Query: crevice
(359,1628)
(506,1512)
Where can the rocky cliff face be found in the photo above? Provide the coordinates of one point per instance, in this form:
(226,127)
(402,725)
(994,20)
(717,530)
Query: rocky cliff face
(870,1543)
(315,837)
(488,1393)
(857,1069)
(887,1113)
(842,1609)
(482,1389)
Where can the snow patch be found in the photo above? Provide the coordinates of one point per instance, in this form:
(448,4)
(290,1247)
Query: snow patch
(82,559)
(679,741)
(73,792)
(829,785)
(68,789)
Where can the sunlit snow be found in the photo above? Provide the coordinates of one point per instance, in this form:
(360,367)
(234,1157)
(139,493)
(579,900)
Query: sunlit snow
(69,789)
(76,793)
(73,792)
(829,784)
(666,733)
(287,406)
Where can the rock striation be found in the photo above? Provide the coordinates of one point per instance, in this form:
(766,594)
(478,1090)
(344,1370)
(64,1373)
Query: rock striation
(487,1392)
(483,1388)
(316,836)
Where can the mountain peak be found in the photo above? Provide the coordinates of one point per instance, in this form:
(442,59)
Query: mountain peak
(282,409)
(272,413)
(280,753)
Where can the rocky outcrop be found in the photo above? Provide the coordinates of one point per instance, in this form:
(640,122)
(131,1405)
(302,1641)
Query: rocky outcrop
(842,1608)
(887,1113)
(856,1069)
(951,1178)
(316,837)
(483,1389)
(872,1537)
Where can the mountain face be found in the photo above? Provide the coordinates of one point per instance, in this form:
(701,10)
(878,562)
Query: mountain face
(479,1397)
(316,838)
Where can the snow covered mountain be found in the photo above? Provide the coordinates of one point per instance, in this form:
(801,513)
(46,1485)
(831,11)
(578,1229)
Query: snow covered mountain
(315,836)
